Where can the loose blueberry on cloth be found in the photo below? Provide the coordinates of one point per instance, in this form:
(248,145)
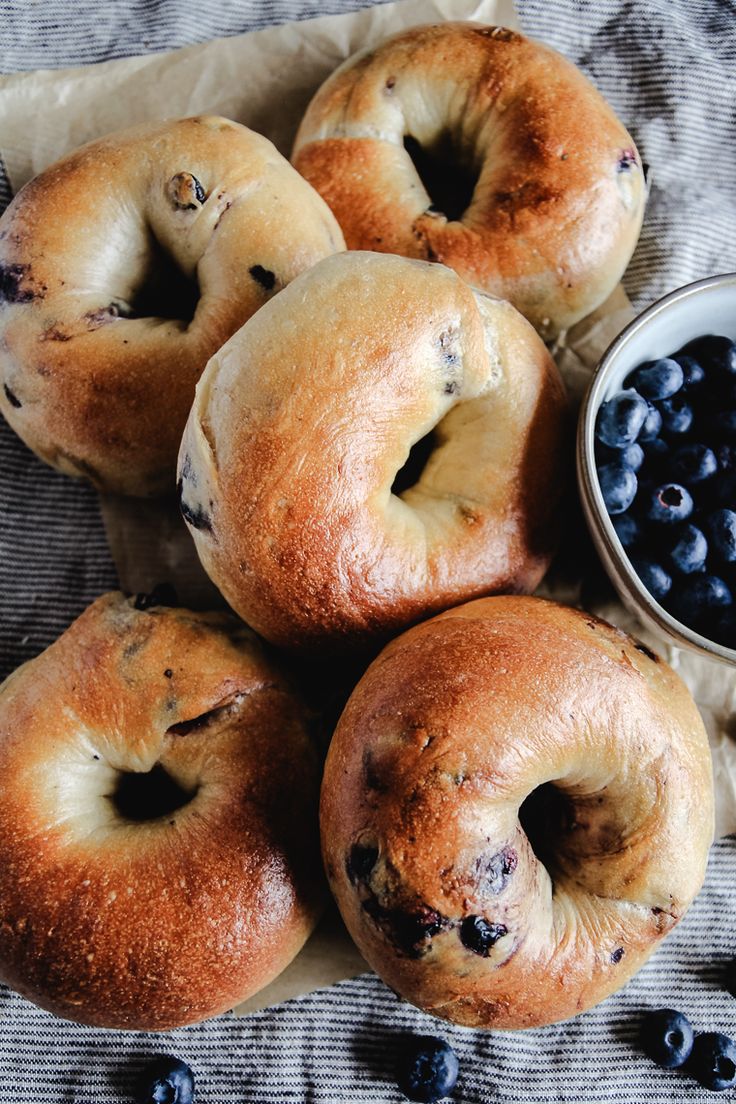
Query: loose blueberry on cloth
(667,66)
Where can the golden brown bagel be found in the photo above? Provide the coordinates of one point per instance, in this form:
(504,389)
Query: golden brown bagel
(123,267)
(303,420)
(557,184)
(158,862)
(469,908)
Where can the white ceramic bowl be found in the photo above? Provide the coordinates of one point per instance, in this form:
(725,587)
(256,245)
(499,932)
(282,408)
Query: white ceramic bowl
(705,307)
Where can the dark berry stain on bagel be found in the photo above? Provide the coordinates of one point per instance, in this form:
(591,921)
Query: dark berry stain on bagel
(617,955)
(390,85)
(360,862)
(188,472)
(647,652)
(372,778)
(12,277)
(263,276)
(55,333)
(494,873)
(410,930)
(626,161)
(11,397)
(193,515)
(215,716)
(480,935)
(163,594)
(185,192)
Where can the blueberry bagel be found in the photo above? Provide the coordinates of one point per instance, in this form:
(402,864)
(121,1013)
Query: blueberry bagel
(475,146)
(378,443)
(158,862)
(517,806)
(123,267)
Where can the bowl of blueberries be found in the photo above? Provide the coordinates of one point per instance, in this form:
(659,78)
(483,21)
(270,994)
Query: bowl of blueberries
(657,466)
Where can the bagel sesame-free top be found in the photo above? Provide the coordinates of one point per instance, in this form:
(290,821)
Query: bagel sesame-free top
(293,466)
(478,147)
(123,267)
(158,847)
(517,806)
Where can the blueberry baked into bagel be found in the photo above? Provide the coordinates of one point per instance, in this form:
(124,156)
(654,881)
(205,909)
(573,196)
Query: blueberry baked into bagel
(123,267)
(480,148)
(517,806)
(159,859)
(378,443)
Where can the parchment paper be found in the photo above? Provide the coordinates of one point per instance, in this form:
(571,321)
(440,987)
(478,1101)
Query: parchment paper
(265,80)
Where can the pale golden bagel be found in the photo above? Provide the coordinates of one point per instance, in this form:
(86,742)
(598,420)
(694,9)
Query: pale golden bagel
(517,806)
(475,146)
(158,847)
(304,419)
(123,267)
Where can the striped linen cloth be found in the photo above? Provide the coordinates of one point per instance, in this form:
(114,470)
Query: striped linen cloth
(668,68)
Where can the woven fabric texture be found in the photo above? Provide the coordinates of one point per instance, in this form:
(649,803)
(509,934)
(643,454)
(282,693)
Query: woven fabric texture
(667,66)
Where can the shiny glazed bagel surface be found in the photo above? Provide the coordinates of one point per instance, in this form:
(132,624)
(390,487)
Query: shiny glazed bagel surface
(123,267)
(480,148)
(158,848)
(472,899)
(303,420)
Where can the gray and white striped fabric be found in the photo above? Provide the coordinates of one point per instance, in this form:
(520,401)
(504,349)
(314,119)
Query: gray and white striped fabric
(668,68)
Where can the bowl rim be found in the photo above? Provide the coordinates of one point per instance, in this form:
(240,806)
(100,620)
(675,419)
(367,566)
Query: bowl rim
(611,551)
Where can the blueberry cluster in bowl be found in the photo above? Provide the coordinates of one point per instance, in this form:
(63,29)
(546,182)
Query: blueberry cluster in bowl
(666,461)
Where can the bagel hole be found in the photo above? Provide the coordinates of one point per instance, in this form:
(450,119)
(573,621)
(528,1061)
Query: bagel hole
(149,795)
(448,178)
(411,470)
(163,290)
(545,815)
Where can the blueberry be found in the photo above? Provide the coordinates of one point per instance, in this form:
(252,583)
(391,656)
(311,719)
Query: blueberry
(723,425)
(700,599)
(722,529)
(715,351)
(724,631)
(723,488)
(480,935)
(652,426)
(667,1037)
(656,454)
(654,577)
(658,380)
(713,1061)
(632,456)
(618,487)
(627,529)
(689,551)
(692,370)
(621,418)
(166,1080)
(428,1069)
(677,414)
(694,463)
(669,503)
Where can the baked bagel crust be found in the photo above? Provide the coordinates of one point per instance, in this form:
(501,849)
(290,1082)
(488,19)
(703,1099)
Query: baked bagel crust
(111,919)
(303,420)
(559,194)
(102,257)
(454,725)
